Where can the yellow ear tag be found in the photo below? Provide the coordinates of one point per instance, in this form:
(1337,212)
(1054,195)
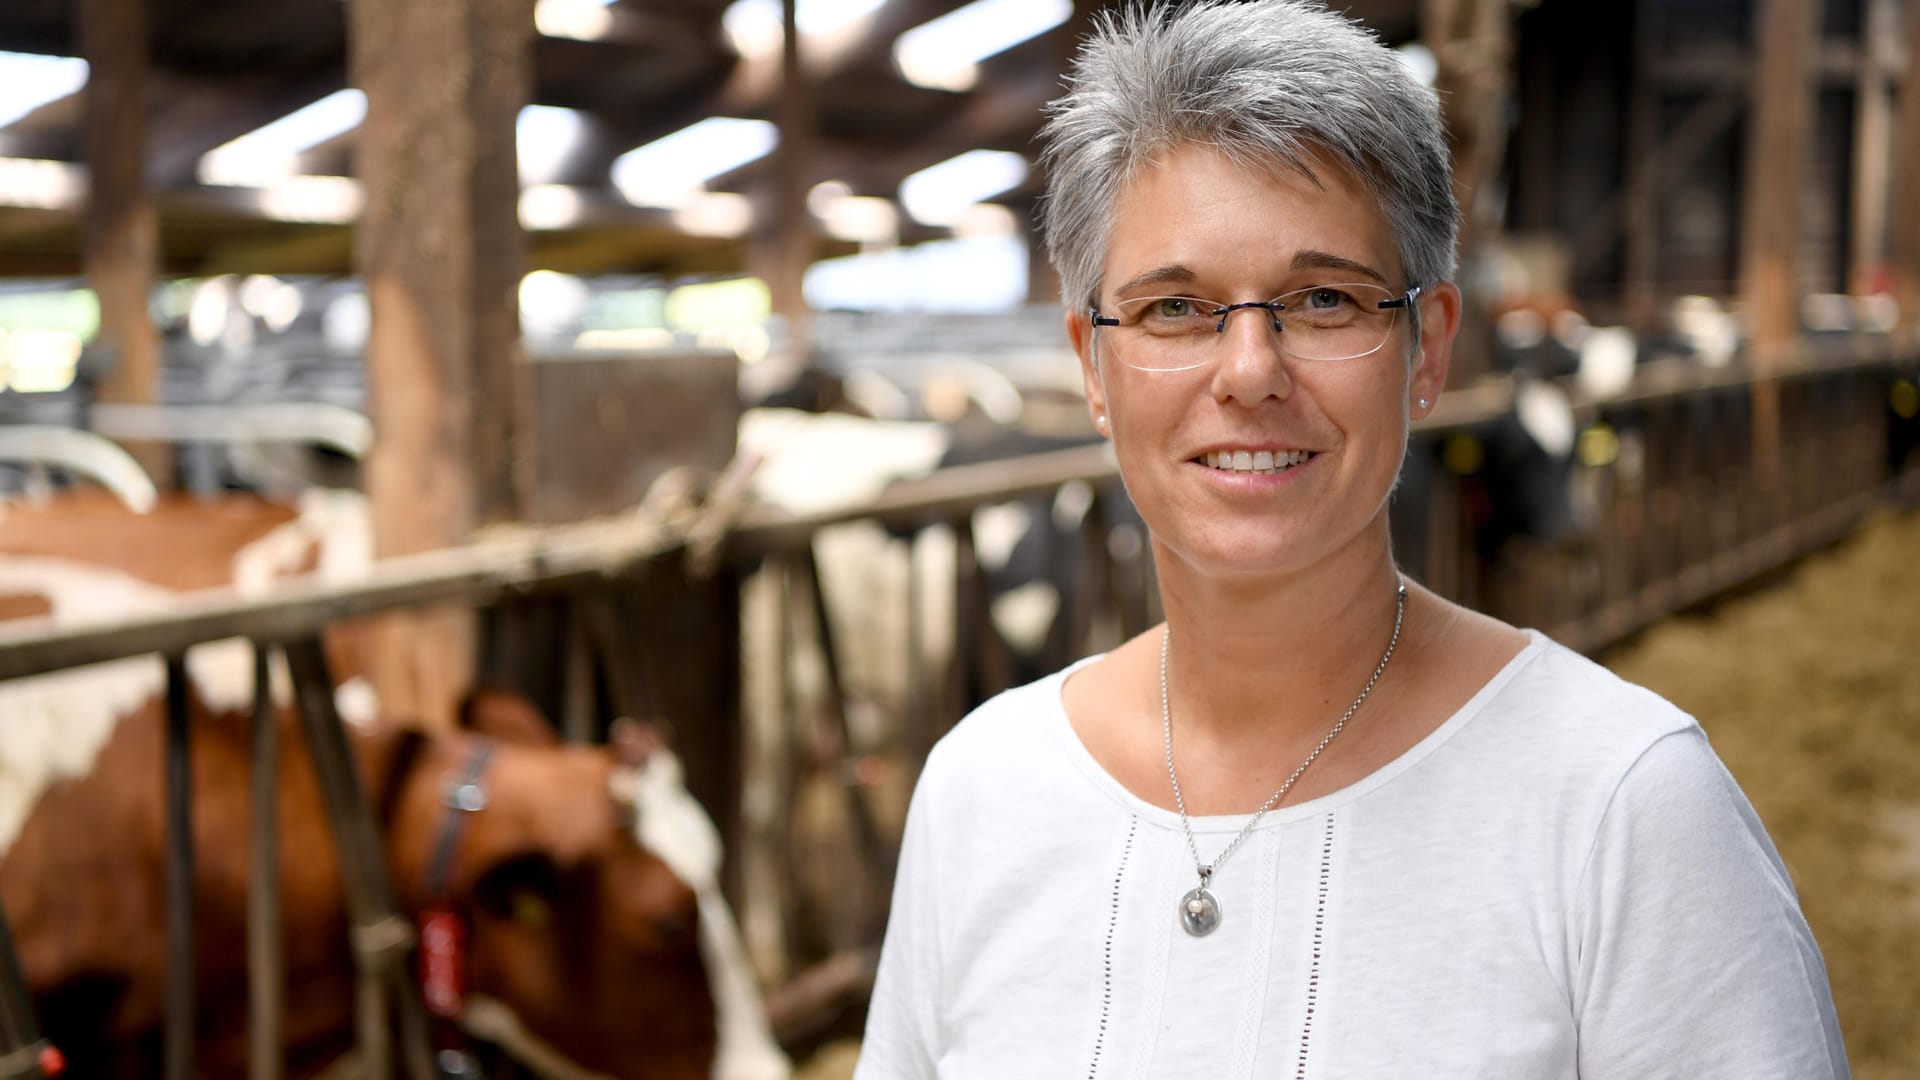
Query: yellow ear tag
(531,911)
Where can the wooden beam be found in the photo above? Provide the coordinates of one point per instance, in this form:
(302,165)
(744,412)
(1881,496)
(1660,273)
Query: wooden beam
(440,249)
(1834,64)
(122,229)
(290,249)
(1903,215)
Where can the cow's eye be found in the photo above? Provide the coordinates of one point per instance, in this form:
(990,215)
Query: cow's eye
(672,928)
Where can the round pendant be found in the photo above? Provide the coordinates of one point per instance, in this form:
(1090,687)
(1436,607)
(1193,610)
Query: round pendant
(1199,912)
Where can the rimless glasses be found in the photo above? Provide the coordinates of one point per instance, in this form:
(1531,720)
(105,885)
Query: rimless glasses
(1321,322)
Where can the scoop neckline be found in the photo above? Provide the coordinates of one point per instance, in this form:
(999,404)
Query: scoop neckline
(1104,781)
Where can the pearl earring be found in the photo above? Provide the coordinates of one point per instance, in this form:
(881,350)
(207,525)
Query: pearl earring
(1100,420)
(1423,403)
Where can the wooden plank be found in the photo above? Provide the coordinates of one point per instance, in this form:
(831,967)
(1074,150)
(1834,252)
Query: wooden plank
(122,228)
(440,248)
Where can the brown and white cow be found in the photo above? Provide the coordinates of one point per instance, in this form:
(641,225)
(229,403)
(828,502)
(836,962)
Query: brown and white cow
(587,882)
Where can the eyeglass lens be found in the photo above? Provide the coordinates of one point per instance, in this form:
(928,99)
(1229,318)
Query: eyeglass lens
(1324,322)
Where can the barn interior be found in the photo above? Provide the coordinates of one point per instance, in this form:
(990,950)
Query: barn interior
(698,362)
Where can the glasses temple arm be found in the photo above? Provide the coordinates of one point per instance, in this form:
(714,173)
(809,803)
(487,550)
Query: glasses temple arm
(1402,301)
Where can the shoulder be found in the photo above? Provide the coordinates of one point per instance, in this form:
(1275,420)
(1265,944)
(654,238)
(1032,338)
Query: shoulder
(1552,697)
(1016,732)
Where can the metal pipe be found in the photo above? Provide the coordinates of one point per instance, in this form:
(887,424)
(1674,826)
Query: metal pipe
(266,988)
(179,1053)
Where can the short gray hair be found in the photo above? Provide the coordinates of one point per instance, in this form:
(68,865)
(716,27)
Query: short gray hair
(1275,82)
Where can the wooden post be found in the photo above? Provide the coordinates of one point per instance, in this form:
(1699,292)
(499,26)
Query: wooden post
(122,229)
(783,248)
(1903,241)
(440,248)
(1778,129)
(1472,45)
(1643,173)
(1872,147)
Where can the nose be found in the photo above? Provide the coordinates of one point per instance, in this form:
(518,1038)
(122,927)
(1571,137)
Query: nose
(1251,364)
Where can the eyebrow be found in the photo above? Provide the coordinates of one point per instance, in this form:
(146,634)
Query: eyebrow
(1172,273)
(1324,260)
(1309,259)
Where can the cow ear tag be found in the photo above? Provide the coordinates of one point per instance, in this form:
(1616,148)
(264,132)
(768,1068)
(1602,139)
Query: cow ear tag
(531,910)
(443,962)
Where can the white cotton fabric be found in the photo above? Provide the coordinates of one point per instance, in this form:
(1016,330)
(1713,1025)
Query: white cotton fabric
(1560,881)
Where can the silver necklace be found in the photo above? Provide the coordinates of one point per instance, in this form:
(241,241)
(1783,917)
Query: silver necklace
(1200,909)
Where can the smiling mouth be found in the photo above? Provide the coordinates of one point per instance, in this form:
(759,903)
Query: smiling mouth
(1257,463)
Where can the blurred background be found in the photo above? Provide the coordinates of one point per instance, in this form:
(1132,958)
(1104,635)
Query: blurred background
(696,361)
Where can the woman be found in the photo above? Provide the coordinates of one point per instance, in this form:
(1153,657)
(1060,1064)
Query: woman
(1323,823)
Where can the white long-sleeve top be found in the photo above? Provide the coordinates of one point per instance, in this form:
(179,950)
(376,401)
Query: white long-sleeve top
(1560,881)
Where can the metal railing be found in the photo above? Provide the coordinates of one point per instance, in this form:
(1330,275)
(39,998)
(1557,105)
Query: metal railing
(1671,510)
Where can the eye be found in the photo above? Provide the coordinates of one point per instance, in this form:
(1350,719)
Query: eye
(1171,307)
(1324,299)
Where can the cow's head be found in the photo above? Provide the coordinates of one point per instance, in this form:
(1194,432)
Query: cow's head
(589,938)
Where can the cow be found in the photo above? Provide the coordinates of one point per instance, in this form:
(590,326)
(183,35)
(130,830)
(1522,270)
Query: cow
(586,883)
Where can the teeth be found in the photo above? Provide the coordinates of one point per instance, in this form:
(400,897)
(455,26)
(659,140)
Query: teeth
(1263,462)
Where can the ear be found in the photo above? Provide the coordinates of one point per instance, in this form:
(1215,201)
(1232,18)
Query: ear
(1080,333)
(1439,322)
(502,714)
(633,741)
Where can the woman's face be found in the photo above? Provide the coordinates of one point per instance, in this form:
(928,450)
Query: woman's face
(1196,224)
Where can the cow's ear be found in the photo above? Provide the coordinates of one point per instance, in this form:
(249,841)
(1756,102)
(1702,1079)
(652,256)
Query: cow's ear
(502,714)
(634,741)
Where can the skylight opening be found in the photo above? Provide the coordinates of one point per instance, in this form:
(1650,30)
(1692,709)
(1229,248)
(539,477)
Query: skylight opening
(551,206)
(943,194)
(544,135)
(754,26)
(42,185)
(272,152)
(580,20)
(942,54)
(28,81)
(670,170)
